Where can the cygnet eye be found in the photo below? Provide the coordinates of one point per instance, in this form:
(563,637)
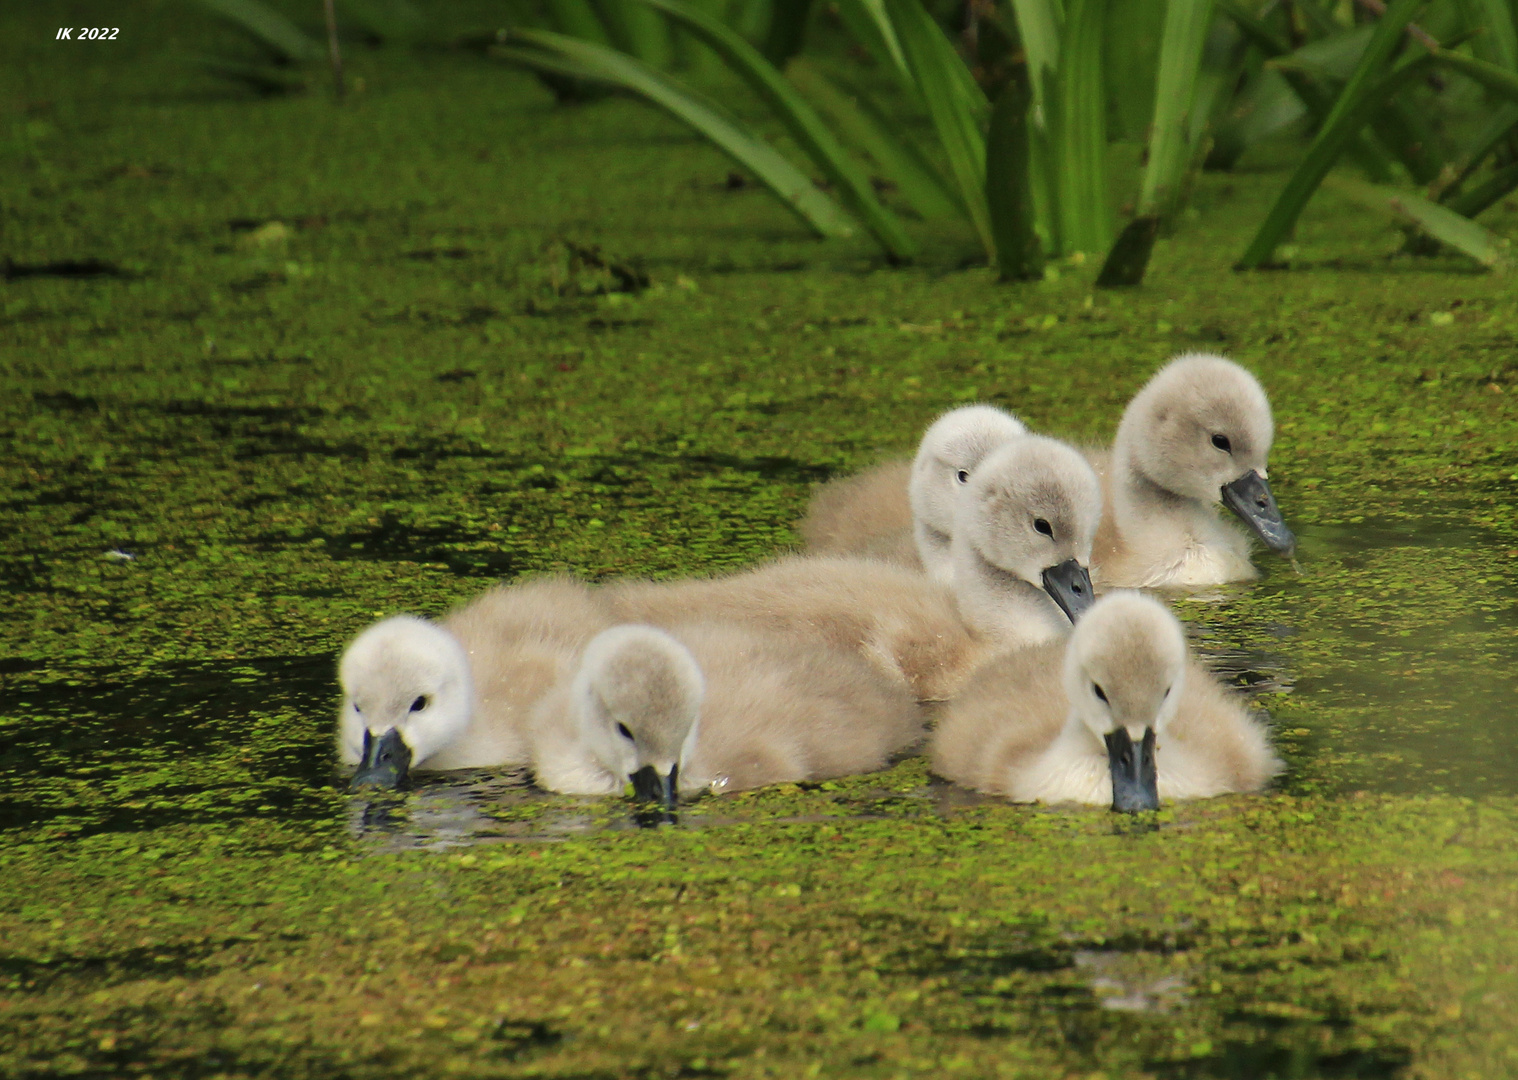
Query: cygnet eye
(1044,527)
(419,704)
(963,476)
(623,731)
(1165,694)
(1222,443)
(1099,692)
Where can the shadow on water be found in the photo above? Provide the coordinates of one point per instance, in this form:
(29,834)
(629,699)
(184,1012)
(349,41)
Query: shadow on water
(191,743)
(1289,1054)
(479,548)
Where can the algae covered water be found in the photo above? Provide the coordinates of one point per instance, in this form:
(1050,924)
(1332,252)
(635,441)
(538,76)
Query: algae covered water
(242,444)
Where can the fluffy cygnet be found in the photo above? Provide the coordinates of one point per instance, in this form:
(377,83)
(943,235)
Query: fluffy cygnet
(905,513)
(1023,534)
(1120,714)
(1198,432)
(713,707)
(1024,523)
(457,694)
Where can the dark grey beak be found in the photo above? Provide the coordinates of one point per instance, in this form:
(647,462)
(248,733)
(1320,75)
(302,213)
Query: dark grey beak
(1135,781)
(649,786)
(386,762)
(1250,497)
(1069,584)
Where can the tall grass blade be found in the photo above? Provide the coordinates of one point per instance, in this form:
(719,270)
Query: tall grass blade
(387,20)
(1497,186)
(1170,145)
(578,18)
(1498,41)
(1267,106)
(1498,81)
(1009,191)
(801,122)
(271,29)
(1366,91)
(1038,30)
(787,30)
(637,31)
(1373,61)
(1135,29)
(1331,61)
(1411,139)
(956,105)
(1439,222)
(1501,126)
(863,125)
(1079,132)
(1317,101)
(868,22)
(1129,257)
(1044,164)
(751,18)
(1038,26)
(1224,58)
(585,60)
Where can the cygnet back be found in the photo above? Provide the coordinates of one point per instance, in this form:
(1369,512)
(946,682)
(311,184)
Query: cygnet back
(521,640)
(758,708)
(779,710)
(906,626)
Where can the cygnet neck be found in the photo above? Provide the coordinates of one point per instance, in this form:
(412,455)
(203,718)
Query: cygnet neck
(936,550)
(1151,516)
(1000,607)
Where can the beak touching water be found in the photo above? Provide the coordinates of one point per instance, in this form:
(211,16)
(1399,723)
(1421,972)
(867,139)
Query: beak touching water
(649,786)
(386,761)
(1069,584)
(1135,780)
(1250,497)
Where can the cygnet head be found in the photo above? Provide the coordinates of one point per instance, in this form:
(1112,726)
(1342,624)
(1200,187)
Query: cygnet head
(950,450)
(1201,429)
(407,693)
(1124,670)
(1031,509)
(638,695)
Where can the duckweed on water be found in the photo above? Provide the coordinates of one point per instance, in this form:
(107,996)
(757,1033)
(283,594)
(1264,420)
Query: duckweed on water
(224,457)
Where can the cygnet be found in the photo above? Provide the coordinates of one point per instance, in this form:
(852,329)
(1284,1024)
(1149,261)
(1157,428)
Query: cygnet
(713,707)
(1118,715)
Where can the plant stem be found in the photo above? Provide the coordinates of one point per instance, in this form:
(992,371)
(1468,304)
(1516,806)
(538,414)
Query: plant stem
(333,49)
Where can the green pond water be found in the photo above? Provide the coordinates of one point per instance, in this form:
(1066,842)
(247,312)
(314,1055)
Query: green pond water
(227,447)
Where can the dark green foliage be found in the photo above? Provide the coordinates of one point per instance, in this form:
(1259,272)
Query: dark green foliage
(1009,191)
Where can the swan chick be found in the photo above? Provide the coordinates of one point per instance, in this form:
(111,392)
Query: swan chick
(950,450)
(1024,523)
(1199,432)
(407,692)
(1120,715)
(457,694)
(714,705)
(903,512)
(634,705)
(1021,548)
